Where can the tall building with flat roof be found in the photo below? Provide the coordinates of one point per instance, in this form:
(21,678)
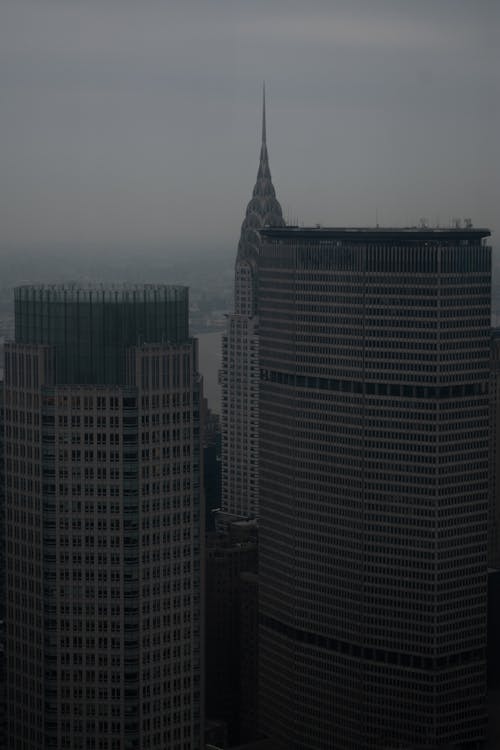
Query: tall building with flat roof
(103,521)
(374,441)
(240,353)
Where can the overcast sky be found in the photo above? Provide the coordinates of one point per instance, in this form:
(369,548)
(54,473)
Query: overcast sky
(135,124)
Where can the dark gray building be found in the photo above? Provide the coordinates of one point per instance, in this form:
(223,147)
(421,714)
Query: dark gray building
(3,715)
(228,556)
(374,436)
(104,521)
(494,513)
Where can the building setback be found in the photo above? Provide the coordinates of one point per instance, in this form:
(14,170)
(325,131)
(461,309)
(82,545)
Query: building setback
(240,354)
(102,489)
(374,441)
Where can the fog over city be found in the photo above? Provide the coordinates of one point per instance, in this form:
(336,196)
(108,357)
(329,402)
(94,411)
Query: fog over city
(130,131)
(250,374)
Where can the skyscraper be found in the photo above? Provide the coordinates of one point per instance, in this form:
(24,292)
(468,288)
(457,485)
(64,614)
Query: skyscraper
(240,353)
(494,515)
(374,411)
(2,574)
(102,445)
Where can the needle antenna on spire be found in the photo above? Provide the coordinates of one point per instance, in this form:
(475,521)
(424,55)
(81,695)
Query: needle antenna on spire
(263,112)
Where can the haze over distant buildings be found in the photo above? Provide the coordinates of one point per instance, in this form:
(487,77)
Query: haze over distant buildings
(131,128)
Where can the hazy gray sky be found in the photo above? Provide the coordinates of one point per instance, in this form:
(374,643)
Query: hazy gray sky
(136,124)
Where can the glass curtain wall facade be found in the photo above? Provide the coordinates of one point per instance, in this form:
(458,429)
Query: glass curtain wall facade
(90,327)
(374,414)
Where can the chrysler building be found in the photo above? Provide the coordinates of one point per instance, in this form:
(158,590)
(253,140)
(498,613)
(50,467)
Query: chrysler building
(240,347)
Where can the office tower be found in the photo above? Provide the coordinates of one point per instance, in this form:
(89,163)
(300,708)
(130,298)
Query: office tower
(494,513)
(240,353)
(102,443)
(494,637)
(2,509)
(3,714)
(374,411)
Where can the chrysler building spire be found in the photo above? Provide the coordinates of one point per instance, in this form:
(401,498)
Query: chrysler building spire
(263,208)
(240,363)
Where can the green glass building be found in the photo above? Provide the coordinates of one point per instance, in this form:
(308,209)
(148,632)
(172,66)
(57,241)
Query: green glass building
(91,327)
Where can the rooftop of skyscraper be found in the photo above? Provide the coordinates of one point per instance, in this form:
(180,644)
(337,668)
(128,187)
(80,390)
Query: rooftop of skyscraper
(421,233)
(125,292)
(92,326)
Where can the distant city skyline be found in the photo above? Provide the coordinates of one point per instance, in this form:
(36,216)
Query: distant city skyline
(131,128)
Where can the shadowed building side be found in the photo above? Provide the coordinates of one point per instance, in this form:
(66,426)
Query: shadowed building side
(228,556)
